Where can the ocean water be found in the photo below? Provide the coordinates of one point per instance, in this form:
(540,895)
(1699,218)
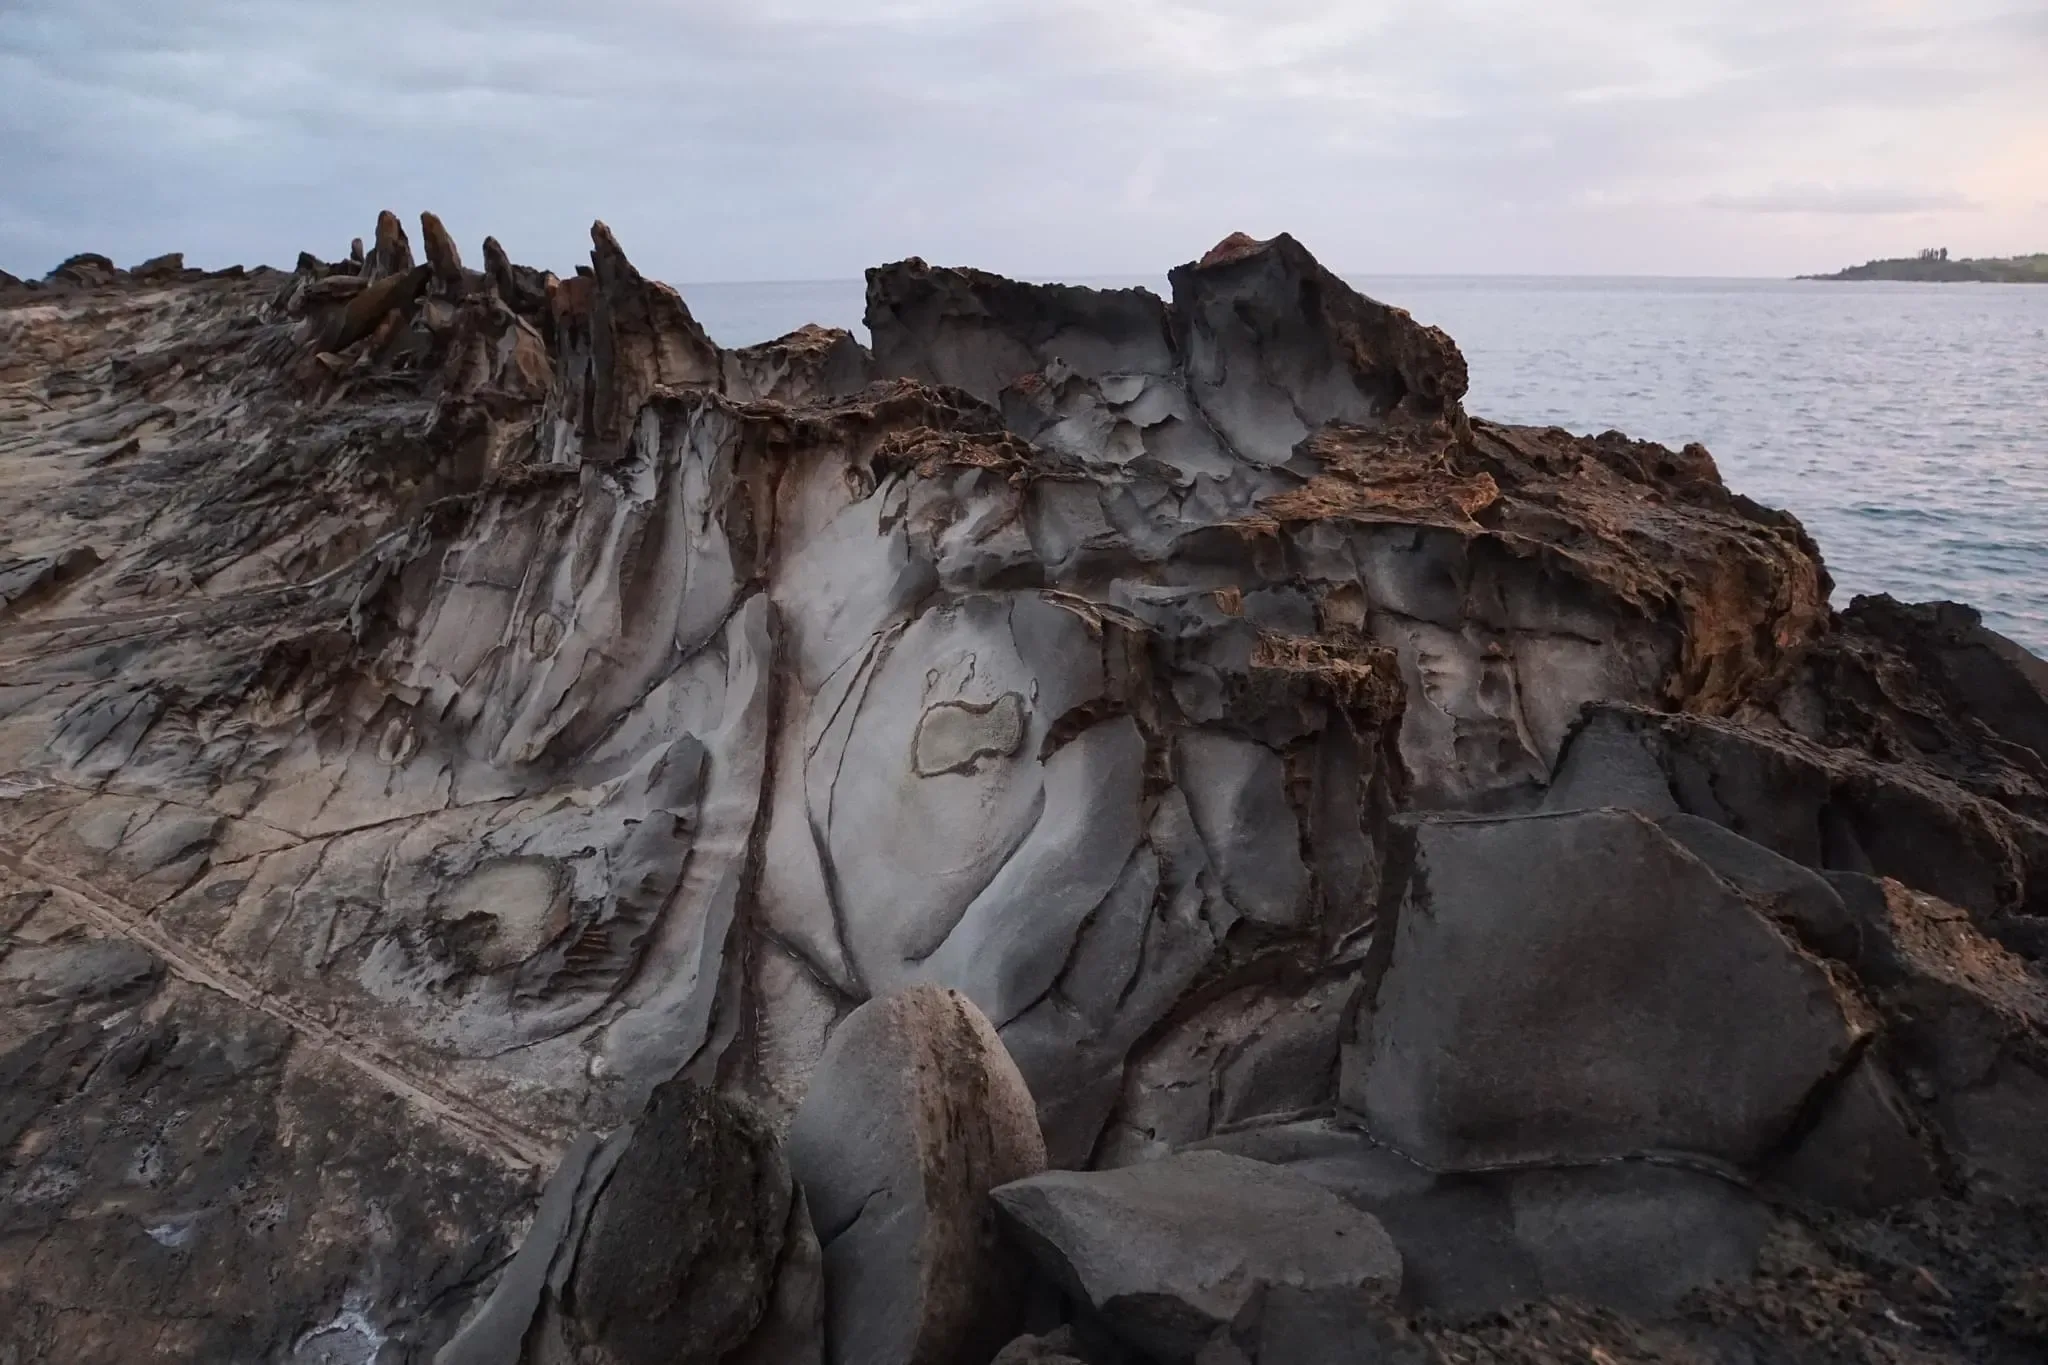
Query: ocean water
(1905,424)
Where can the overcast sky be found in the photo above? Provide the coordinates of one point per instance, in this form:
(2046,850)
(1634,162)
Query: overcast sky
(806,139)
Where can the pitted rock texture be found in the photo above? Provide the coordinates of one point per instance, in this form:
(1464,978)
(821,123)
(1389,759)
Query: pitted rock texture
(514,701)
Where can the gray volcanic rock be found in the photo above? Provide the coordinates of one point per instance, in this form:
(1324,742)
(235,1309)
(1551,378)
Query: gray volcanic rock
(681,1238)
(1172,1251)
(1967,1030)
(1552,989)
(192,1175)
(914,1115)
(1826,807)
(915,700)
(1865,1150)
(495,684)
(1433,536)
(1930,682)
(1631,1235)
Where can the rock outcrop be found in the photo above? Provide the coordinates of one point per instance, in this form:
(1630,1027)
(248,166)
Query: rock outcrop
(453,720)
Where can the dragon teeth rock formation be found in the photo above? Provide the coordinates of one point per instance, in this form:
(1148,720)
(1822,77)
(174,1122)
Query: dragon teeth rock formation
(439,707)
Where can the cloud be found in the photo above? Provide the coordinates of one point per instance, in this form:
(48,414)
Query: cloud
(808,138)
(1855,199)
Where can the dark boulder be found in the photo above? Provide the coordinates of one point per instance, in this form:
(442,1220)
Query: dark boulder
(1633,1235)
(1548,989)
(1966,1030)
(682,1240)
(1170,1253)
(679,1259)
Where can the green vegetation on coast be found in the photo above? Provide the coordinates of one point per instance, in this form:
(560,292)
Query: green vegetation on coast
(1934,265)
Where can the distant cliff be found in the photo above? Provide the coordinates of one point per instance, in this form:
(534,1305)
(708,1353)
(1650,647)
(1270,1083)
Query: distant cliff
(1935,266)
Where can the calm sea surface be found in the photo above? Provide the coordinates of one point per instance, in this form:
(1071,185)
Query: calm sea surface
(1905,424)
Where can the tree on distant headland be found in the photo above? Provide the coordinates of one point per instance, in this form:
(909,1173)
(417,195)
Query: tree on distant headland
(1934,266)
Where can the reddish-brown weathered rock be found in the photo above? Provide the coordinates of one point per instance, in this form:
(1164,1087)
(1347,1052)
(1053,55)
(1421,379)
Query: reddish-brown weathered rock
(442,256)
(391,253)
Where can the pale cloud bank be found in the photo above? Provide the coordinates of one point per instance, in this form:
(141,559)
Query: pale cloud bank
(783,139)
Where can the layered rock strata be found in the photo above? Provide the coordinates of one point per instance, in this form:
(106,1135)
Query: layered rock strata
(452,722)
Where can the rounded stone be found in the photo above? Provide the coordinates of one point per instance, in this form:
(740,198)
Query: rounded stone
(915,1113)
(680,1256)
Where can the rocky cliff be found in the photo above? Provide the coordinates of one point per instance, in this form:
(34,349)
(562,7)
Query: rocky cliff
(484,769)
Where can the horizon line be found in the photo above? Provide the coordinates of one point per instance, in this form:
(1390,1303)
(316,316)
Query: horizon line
(1341,274)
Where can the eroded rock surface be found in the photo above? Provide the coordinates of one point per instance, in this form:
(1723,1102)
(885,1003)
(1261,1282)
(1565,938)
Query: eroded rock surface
(681,1237)
(483,689)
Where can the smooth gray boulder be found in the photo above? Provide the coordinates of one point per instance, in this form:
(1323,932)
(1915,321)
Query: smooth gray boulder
(1630,1235)
(914,1114)
(1558,988)
(1169,1252)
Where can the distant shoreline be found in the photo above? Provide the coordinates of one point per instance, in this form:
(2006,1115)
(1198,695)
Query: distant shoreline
(1937,268)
